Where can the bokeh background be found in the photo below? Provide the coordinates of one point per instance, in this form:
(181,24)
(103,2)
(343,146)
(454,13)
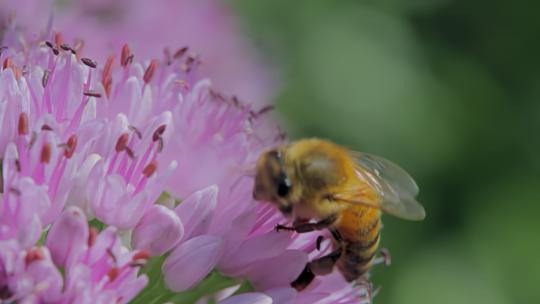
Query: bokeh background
(449,89)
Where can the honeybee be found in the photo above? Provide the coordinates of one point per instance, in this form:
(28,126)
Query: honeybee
(341,190)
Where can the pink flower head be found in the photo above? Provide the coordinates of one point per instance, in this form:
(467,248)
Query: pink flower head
(100,28)
(105,139)
(28,276)
(97,266)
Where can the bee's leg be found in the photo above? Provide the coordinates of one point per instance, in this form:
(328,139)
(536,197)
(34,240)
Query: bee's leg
(308,227)
(364,283)
(324,265)
(384,258)
(335,234)
(304,279)
(321,266)
(320,238)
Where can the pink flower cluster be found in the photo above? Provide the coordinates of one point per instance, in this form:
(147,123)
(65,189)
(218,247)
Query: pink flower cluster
(152,28)
(154,153)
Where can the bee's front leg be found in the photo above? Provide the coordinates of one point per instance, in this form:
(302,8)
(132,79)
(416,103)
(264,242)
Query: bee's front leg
(303,227)
(297,222)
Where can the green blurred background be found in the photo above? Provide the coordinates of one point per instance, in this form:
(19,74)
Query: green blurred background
(451,91)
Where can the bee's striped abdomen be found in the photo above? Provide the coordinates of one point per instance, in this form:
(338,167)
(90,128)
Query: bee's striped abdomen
(359,252)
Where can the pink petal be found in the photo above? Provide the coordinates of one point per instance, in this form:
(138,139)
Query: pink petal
(282,295)
(158,231)
(196,211)
(191,261)
(249,298)
(256,248)
(68,237)
(277,272)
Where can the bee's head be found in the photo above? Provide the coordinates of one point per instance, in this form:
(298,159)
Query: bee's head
(272,183)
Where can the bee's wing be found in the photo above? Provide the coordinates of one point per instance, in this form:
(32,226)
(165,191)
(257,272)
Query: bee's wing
(395,188)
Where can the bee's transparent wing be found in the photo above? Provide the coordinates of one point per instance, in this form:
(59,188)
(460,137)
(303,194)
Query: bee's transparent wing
(396,189)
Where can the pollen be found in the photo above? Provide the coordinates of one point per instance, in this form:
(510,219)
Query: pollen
(106,75)
(180,52)
(159,131)
(92,94)
(121,143)
(126,56)
(46,127)
(150,169)
(45,156)
(7,63)
(45,79)
(113,273)
(149,73)
(23,124)
(58,38)
(141,255)
(34,254)
(71,145)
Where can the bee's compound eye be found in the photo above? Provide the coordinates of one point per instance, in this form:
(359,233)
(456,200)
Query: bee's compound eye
(283,186)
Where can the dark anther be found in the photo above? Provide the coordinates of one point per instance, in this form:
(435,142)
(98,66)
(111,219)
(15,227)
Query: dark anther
(158,132)
(65,47)
(160,144)
(150,70)
(130,153)
(122,142)
(129,59)
(89,62)
(150,169)
(71,145)
(7,63)
(136,131)
(265,109)
(180,52)
(45,156)
(23,124)
(46,127)
(92,94)
(49,44)
(45,78)
(125,54)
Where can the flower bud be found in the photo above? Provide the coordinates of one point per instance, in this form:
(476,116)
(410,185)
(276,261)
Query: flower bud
(158,231)
(68,237)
